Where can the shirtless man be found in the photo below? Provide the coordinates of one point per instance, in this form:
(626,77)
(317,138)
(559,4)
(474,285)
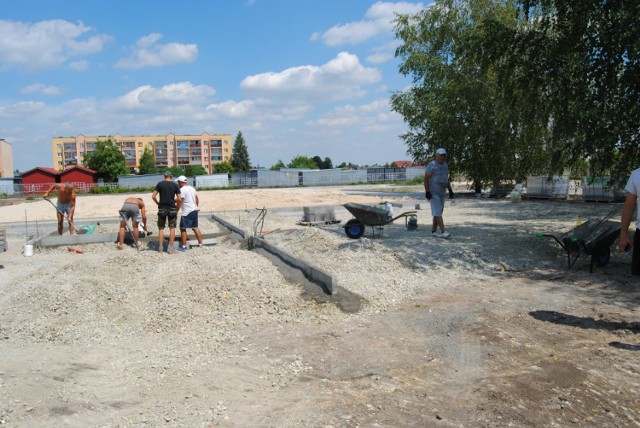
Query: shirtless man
(133,209)
(66,204)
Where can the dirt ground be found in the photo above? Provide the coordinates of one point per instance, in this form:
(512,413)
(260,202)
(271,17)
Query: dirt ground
(488,328)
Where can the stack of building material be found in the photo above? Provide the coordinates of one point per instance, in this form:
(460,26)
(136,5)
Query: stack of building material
(321,214)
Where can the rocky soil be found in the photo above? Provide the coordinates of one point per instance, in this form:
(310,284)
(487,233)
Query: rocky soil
(488,328)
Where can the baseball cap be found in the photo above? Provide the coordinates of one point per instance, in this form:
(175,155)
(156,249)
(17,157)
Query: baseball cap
(441,151)
(168,174)
(182,178)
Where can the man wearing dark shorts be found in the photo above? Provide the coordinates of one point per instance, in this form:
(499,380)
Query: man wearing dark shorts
(168,206)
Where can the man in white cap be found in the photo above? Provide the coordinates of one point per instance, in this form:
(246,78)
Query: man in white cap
(436,183)
(189,218)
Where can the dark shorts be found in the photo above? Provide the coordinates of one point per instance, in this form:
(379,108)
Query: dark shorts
(635,259)
(190,221)
(167,213)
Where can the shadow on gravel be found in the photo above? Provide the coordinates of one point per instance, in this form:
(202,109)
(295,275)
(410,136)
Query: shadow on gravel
(585,322)
(625,346)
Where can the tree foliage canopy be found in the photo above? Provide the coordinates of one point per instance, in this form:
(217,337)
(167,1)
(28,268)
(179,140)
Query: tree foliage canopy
(240,156)
(519,87)
(107,160)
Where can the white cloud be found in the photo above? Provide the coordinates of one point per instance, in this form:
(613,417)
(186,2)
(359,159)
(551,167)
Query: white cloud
(147,52)
(40,88)
(232,108)
(367,117)
(45,44)
(169,97)
(378,21)
(342,77)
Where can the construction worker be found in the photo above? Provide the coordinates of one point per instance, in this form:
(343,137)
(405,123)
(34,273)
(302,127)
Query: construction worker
(66,204)
(135,210)
(189,218)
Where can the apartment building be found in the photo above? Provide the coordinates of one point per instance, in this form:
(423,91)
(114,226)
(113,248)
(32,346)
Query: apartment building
(6,159)
(172,150)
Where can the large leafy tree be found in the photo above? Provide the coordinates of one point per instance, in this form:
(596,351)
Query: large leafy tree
(147,163)
(583,58)
(107,160)
(240,155)
(455,101)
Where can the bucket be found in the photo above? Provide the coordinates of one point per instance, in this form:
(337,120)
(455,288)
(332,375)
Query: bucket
(28,250)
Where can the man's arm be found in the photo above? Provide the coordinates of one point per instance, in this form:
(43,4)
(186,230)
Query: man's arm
(178,200)
(197,201)
(154,196)
(51,189)
(143,213)
(625,220)
(427,176)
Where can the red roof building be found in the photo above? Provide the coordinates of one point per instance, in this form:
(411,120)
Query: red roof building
(38,179)
(83,178)
(403,163)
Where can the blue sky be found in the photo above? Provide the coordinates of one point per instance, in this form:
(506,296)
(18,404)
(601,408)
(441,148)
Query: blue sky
(297,77)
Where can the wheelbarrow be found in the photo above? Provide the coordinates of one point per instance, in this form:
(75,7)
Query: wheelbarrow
(591,238)
(376,218)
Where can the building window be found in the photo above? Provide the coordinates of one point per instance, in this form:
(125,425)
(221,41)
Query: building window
(139,143)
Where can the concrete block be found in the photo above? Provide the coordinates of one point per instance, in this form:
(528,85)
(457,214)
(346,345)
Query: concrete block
(319,213)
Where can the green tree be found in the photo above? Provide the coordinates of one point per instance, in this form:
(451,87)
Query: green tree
(582,59)
(107,160)
(278,165)
(302,162)
(193,170)
(318,161)
(240,154)
(327,163)
(147,163)
(455,101)
(223,168)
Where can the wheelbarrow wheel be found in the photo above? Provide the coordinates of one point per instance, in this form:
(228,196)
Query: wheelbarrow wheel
(354,229)
(603,258)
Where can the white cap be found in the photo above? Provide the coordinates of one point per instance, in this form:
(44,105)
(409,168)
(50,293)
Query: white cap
(182,178)
(441,151)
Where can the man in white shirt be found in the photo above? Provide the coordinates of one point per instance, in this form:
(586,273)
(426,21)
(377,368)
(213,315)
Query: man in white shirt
(189,218)
(633,192)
